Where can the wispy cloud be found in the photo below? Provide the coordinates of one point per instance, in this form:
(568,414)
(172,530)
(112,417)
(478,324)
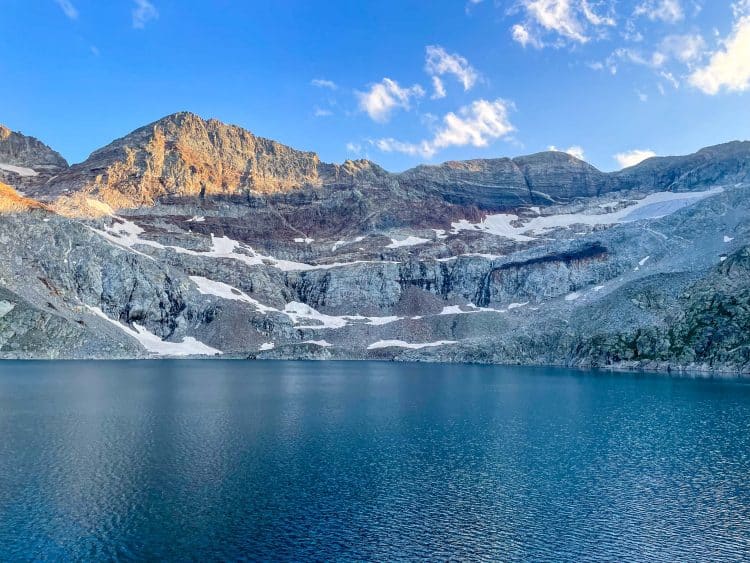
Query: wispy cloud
(575,151)
(439,62)
(522,35)
(354,148)
(633,157)
(143,12)
(575,21)
(685,48)
(669,11)
(476,125)
(438,88)
(386,96)
(322,112)
(68,9)
(323,83)
(729,66)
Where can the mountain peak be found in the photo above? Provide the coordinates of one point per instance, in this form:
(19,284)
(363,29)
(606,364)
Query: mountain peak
(183,154)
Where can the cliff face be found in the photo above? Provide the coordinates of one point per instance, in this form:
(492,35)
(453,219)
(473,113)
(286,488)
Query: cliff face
(193,237)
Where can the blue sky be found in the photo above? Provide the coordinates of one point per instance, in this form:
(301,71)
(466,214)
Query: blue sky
(400,82)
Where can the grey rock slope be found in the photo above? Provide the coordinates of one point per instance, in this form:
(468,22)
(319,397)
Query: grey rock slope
(221,243)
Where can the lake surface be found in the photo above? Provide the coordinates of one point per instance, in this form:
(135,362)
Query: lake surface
(211,460)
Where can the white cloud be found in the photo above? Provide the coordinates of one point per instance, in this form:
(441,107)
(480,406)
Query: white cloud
(354,148)
(440,62)
(729,66)
(558,16)
(571,20)
(642,96)
(595,18)
(741,8)
(627,55)
(476,125)
(143,13)
(669,11)
(522,35)
(323,83)
(631,158)
(68,9)
(574,151)
(390,144)
(322,112)
(385,96)
(438,87)
(669,77)
(685,48)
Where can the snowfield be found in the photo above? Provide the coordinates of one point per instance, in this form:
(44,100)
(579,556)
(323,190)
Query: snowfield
(653,206)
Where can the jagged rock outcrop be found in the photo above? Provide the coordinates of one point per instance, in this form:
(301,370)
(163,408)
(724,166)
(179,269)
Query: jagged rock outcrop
(20,150)
(25,162)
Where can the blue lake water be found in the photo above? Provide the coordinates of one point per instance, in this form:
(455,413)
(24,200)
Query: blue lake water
(213,460)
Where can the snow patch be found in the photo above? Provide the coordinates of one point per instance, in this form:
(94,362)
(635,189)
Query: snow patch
(401,344)
(197,219)
(300,312)
(456,310)
(408,241)
(378,321)
(322,343)
(644,260)
(267,346)
(20,170)
(304,239)
(219,289)
(572,296)
(188,347)
(340,243)
(728,239)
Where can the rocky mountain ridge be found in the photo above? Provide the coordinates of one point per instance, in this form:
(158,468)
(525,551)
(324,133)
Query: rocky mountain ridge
(191,237)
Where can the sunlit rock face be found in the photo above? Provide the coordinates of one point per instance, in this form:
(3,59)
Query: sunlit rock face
(192,237)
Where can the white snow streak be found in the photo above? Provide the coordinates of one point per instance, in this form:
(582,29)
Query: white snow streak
(401,344)
(408,241)
(188,347)
(20,170)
